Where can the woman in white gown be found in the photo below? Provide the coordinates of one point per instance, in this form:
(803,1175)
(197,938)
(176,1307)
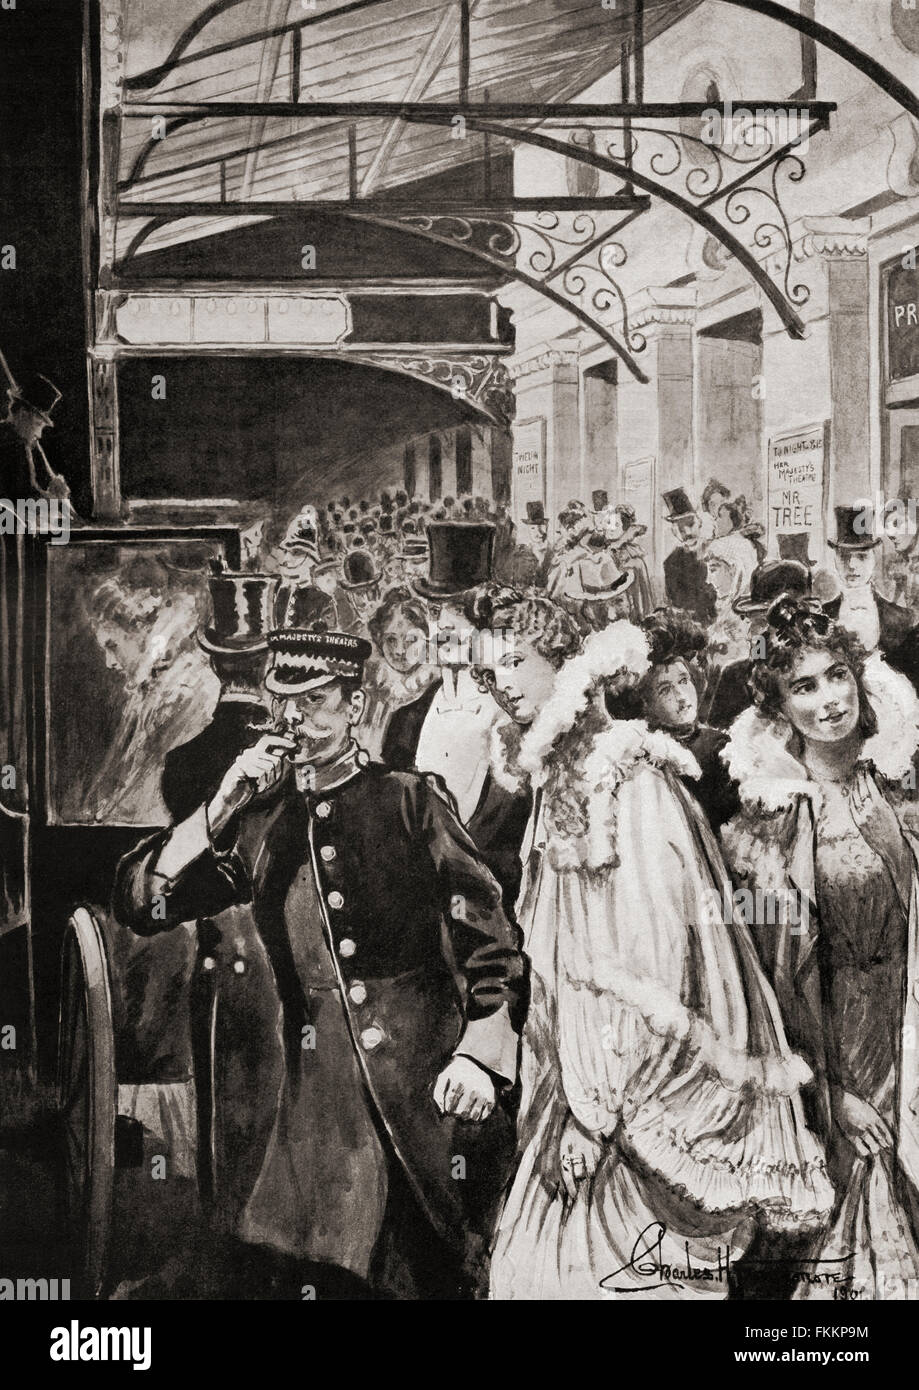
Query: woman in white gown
(661,1114)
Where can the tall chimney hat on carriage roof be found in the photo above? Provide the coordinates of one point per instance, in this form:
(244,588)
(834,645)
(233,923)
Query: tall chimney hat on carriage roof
(37,394)
(679,506)
(855,529)
(461,555)
(796,546)
(302,660)
(243,613)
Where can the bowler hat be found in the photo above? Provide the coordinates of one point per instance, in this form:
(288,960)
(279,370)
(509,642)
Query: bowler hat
(242,611)
(359,570)
(460,558)
(680,507)
(855,529)
(37,393)
(301,660)
(770,581)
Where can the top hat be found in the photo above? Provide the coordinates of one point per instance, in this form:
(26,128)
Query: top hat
(305,607)
(536,514)
(460,558)
(796,547)
(301,660)
(386,523)
(37,393)
(600,500)
(681,509)
(242,608)
(770,581)
(855,529)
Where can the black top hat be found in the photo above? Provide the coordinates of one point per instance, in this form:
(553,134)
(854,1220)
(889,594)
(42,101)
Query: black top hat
(680,507)
(37,393)
(305,607)
(600,499)
(855,528)
(796,547)
(461,558)
(386,523)
(536,514)
(301,660)
(772,580)
(242,608)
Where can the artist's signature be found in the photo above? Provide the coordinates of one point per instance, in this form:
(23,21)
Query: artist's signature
(647,1263)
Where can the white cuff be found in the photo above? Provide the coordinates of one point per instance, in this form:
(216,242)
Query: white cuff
(188,841)
(493,1043)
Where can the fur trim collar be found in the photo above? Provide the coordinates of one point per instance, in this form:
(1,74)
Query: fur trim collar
(621,650)
(758,753)
(629,741)
(504,739)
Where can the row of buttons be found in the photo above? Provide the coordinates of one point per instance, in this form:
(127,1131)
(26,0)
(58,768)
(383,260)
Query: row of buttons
(357,991)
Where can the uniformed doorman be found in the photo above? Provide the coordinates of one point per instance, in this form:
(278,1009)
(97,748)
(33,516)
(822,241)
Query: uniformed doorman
(399,984)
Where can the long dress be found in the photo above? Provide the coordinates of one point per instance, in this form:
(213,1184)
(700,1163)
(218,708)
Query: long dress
(652,1025)
(872,1249)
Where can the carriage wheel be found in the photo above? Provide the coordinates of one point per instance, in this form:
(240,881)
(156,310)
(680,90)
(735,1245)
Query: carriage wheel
(87,1098)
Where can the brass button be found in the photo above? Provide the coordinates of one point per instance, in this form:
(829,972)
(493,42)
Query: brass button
(323,810)
(371,1038)
(347,947)
(239,966)
(208,962)
(336,900)
(358,992)
(328,853)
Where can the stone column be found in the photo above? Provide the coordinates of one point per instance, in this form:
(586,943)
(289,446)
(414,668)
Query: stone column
(656,420)
(827,376)
(546,383)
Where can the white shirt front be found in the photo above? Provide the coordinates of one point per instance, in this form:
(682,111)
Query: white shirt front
(858,614)
(455,739)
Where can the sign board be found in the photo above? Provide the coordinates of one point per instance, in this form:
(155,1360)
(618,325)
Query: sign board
(636,489)
(902,323)
(796,477)
(529,464)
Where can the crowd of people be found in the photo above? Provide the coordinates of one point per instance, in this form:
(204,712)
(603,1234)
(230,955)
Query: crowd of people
(673,846)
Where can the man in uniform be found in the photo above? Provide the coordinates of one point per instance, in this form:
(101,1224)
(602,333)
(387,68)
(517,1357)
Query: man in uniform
(399,980)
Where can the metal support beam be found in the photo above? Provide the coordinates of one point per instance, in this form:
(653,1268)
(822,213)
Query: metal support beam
(174,211)
(444,113)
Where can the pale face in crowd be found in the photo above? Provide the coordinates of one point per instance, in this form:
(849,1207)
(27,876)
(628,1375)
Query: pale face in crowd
(689,532)
(320,720)
(855,567)
(724,522)
(523,681)
(452,633)
(403,643)
(820,697)
(671,697)
(901,529)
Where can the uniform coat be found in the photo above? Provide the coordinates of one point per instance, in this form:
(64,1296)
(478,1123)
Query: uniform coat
(426,963)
